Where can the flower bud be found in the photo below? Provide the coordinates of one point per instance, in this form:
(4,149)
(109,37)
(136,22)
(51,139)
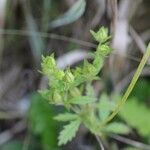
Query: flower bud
(88,68)
(101,35)
(59,74)
(57,97)
(103,49)
(48,64)
(69,77)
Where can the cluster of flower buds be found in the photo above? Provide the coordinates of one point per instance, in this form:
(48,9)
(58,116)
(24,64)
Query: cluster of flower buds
(62,81)
(59,81)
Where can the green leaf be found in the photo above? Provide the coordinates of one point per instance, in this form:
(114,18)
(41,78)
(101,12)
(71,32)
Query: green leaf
(90,90)
(82,100)
(68,132)
(131,85)
(13,145)
(74,13)
(105,106)
(130,148)
(117,128)
(137,115)
(42,123)
(45,93)
(142,90)
(66,117)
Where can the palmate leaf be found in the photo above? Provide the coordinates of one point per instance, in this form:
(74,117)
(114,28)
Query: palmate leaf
(66,117)
(68,132)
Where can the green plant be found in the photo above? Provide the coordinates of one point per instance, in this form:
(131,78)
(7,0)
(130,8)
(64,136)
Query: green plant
(135,118)
(41,123)
(72,88)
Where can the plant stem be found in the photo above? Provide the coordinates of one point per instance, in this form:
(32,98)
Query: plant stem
(130,87)
(131,142)
(99,142)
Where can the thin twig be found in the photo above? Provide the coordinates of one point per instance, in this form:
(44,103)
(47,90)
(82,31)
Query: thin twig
(59,37)
(101,6)
(99,142)
(113,4)
(138,40)
(126,80)
(130,142)
(47,35)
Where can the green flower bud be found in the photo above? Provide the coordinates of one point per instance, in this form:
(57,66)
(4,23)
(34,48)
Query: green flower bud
(48,64)
(69,77)
(103,49)
(101,35)
(59,74)
(78,72)
(49,61)
(88,68)
(57,97)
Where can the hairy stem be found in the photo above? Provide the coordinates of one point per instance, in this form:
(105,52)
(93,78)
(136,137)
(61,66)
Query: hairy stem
(130,87)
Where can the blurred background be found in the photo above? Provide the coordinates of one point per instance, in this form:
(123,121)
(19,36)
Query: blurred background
(30,28)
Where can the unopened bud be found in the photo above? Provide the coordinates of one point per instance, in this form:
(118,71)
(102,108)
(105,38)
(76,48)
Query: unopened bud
(59,74)
(103,50)
(101,35)
(88,68)
(57,98)
(69,77)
